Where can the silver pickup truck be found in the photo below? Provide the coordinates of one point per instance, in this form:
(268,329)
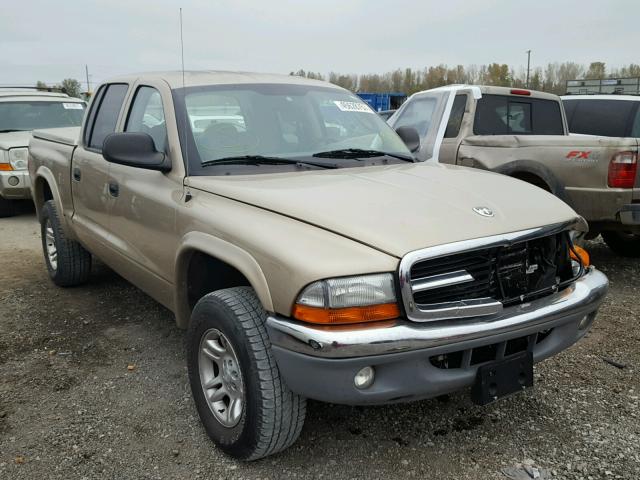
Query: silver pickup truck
(22,110)
(523,134)
(307,254)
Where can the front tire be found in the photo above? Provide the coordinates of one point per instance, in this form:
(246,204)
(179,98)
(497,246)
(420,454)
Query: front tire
(244,405)
(68,263)
(623,243)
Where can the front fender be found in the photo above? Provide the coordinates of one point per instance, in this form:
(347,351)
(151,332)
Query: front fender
(44,176)
(222,250)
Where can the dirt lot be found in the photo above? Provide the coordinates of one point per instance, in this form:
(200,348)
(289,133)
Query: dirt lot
(93,385)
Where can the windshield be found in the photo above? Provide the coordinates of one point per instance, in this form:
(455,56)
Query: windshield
(287,121)
(424,112)
(26,115)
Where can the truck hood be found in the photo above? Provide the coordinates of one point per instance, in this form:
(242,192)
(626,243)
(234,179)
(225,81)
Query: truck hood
(397,208)
(14,140)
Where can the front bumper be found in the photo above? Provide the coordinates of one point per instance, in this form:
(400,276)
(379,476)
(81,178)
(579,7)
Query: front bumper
(630,214)
(15,185)
(320,363)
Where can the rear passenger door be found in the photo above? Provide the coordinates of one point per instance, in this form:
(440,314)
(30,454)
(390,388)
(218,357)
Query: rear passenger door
(92,199)
(144,208)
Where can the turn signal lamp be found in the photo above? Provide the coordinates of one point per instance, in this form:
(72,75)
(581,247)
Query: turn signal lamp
(580,254)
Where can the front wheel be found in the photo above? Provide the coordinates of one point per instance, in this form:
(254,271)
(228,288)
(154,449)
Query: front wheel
(626,244)
(244,405)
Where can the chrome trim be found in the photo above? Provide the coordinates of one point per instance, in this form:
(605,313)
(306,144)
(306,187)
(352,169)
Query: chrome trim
(441,280)
(415,313)
(476,307)
(571,304)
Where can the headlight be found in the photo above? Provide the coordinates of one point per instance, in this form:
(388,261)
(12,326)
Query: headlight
(18,158)
(362,298)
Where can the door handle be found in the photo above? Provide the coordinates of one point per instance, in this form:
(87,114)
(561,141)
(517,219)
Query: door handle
(114,189)
(76,174)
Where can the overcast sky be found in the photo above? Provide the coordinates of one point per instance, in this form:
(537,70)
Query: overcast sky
(50,41)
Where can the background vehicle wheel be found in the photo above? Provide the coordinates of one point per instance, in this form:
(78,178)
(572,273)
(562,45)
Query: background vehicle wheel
(67,261)
(623,243)
(7,208)
(243,403)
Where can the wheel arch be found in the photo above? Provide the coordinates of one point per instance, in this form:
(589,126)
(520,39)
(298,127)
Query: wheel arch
(534,173)
(207,257)
(44,189)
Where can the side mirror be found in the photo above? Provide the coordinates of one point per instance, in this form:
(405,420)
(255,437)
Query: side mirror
(410,137)
(134,150)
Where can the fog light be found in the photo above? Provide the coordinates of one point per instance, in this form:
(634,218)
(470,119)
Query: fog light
(13,181)
(364,378)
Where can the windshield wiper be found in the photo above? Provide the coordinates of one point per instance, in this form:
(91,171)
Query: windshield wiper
(7,130)
(360,153)
(262,160)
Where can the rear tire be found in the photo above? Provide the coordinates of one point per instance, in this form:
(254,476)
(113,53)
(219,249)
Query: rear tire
(68,263)
(7,208)
(227,328)
(623,243)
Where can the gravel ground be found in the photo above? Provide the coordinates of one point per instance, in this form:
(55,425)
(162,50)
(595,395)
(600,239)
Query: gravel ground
(93,384)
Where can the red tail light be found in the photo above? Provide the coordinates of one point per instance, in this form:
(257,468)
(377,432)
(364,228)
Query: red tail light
(517,91)
(622,170)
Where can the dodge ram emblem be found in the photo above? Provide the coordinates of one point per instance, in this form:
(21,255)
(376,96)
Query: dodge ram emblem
(484,211)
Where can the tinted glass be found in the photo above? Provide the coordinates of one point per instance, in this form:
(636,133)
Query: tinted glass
(107,114)
(147,116)
(455,118)
(292,121)
(635,126)
(610,118)
(569,110)
(503,115)
(33,115)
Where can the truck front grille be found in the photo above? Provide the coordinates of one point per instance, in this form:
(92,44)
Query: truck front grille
(496,276)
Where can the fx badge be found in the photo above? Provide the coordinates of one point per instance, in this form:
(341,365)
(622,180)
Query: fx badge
(484,211)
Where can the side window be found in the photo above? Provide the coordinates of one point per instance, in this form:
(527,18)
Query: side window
(417,114)
(107,114)
(91,116)
(147,116)
(570,109)
(455,118)
(609,118)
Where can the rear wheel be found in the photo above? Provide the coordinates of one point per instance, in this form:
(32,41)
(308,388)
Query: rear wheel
(626,244)
(7,208)
(68,263)
(244,405)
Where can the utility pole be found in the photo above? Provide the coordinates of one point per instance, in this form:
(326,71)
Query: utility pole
(86,71)
(528,65)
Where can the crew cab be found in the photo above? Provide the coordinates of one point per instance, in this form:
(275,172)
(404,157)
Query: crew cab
(22,110)
(612,116)
(306,252)
(523,134)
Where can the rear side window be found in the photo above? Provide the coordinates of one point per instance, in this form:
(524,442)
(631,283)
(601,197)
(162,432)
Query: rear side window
(147,116)
(504,115)
(106,115)
(455,118)
(609,118)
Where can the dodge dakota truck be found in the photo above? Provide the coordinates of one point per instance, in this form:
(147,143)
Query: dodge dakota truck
(523,133)
(307,254)
(22,110)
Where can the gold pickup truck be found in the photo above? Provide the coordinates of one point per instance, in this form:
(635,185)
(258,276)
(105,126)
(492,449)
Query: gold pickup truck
(523,134)
(305,251)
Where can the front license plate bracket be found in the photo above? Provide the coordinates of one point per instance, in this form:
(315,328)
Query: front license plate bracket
(502,378)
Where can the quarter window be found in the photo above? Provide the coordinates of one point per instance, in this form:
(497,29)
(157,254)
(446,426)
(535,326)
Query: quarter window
(147,116)
(609,118)
(107,114)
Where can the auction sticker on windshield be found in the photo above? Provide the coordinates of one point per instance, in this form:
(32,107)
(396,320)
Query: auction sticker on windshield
(72,106)
(353,106)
